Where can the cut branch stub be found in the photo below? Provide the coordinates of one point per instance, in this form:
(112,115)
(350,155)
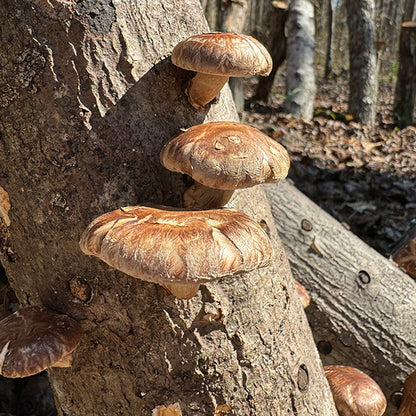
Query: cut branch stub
(216,57)
(179,250)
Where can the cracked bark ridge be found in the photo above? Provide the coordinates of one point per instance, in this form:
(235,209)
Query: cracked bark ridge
(82,123)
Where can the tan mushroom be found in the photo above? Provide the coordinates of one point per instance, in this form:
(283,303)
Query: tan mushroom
(408,405)
(354,392)
(179,250)
(217,56)
(171,410)
(34,339)
(303,294)
(406,257)
(223,156)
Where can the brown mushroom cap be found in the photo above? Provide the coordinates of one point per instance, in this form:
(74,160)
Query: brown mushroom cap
(163,246)
(303,294)
(226,155)
(354,393)
(35,338)
(406,257)
(408,405)
(229,54)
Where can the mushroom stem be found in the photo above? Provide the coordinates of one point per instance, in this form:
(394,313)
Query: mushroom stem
(203,88)
(65,361)
(199,196)
(182,290)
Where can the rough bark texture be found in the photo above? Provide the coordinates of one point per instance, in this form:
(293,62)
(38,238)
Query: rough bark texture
(300,82)
(363,85)
(277,51)
(363,307)
(89,96)
(405,96)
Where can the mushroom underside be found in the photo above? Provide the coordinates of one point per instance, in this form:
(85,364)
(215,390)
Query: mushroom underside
(199,196)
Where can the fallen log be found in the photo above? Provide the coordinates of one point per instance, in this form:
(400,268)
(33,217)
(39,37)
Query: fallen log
(363,306)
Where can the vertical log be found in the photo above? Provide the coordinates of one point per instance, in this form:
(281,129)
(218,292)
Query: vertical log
(404,100)
(300,83)
(363,82)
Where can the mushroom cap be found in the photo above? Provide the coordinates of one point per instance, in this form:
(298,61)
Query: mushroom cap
(163,246)
(35,338)
(226,155)
(226,54)
(355,393)
(406,257)
(408,405)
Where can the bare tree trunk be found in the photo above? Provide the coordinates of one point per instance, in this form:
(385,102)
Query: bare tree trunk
(89,98)
(363,85)
(233,17)
(328,58)
(404,100)
(277,50)
(257,21)
(362,306)
(300,84)
(410,10)
(212,12)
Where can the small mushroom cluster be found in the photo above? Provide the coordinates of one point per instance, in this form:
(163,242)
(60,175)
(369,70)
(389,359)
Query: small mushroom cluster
(180,249)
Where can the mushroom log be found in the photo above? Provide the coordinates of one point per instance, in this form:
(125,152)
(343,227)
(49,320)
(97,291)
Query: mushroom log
(179,250)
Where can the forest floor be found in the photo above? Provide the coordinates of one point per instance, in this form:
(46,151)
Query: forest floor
(365,179)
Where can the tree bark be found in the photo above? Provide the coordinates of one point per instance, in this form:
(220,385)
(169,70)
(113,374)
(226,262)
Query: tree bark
(409,10)
(363,84)
(89,98)
(328,57)
(277,50)
(362,305)
(233,17)
(211,10)
(405,95)
(300,78)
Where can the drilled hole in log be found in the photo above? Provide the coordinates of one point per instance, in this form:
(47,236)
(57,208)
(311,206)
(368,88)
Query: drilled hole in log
(364,277)
(303,378)
(263,224)
(324,347)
